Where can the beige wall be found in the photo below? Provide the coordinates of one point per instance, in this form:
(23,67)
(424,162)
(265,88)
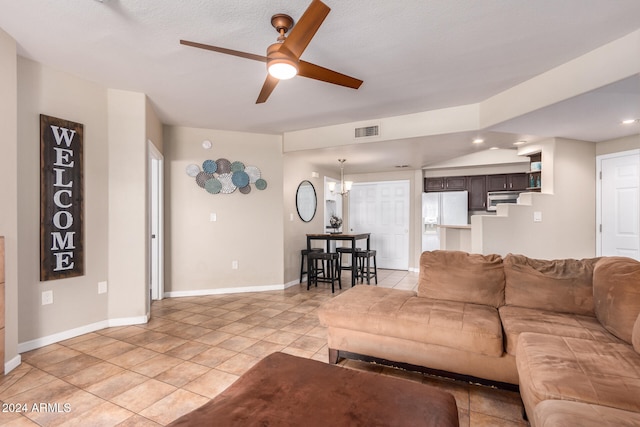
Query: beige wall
(9,190)
(76,300)
(249,227)
(617,145)
(128,218)
(567,229)
(295,171)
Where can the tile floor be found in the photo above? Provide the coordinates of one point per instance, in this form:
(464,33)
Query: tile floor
(191,350)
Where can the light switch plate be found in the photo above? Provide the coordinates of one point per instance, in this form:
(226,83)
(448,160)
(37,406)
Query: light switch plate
(102,287)
(47,297)
(537,216)
(213,217)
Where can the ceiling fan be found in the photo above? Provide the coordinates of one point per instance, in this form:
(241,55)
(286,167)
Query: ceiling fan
(283,57)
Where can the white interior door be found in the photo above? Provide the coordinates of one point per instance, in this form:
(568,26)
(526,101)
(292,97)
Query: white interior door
(619,204)
(156,259)
(382,209)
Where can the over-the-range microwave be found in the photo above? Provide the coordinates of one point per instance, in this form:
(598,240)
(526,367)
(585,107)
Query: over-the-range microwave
(496,197)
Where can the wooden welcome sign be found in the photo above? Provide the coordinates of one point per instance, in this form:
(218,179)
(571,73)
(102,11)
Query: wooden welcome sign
(61,199)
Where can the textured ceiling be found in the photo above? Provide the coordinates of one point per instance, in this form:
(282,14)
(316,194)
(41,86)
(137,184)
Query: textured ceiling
(414,55)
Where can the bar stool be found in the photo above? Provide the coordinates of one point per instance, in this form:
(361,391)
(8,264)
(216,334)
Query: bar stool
(342,251)
(331,273)
(364,267)
(304,253)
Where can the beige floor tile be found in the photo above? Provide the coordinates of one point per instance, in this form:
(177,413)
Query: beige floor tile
(188,350)
(50,358)
(104,415)
(87,346)
(138,421)
(76,403)
(143,395)
(238,364)
(32,379)
(309,343)
(478,419)
(214,338)
(282,337)
(212,383)
(182,374)
(71,366)
(237,343)
(213,357)
(93,374)
(258,332)
(116,384)
(262,349)
(173,406)
(133,357)
(121,332)
(497,403)
(111,350)
(165,344)
(156,365)
(235,327)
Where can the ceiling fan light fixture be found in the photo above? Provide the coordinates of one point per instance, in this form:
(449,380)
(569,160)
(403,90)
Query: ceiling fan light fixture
(282,69)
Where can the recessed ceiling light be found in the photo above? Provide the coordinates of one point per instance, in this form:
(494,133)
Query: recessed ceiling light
(630,121)
(402,166)
(478,141)
(519,142)
(493,148)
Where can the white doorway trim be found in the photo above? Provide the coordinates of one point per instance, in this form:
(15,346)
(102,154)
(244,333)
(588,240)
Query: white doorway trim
(156,223)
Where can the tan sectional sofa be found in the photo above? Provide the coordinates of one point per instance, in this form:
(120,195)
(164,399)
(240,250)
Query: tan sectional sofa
(566,331)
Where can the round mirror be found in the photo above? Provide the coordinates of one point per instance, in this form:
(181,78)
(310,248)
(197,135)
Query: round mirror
(306,201)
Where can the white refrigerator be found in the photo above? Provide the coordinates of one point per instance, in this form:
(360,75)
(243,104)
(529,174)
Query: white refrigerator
(441,208)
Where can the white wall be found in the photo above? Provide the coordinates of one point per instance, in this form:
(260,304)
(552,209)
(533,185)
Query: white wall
(9,193)
(249,227)
(567,229)
(76,300)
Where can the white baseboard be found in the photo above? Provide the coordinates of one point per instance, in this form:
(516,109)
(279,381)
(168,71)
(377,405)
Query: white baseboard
(414,269)
(12,364)
(72,333)
(221,291)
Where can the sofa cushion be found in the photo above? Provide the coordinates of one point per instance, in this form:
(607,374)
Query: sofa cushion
(463,277)
(516,320)
(616,290)
(563,413)
(601,373)
(564,285)
(401,314)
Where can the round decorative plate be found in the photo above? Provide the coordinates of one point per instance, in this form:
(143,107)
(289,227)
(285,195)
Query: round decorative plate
(213,185)
(227,185)
(224,166)
(253,172)
(261,184)
(237,166)
(240,179)
(209,166)
(193,170)
(245,189)
(202,177)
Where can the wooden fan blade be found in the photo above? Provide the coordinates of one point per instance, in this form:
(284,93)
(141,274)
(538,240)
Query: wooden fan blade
(316,72)
(226,51)
(268,87)
(306,27)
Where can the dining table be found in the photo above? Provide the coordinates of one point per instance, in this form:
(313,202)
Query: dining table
(350,237)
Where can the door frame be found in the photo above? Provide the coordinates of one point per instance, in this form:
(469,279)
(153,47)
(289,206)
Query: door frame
(156,216)
(599,159)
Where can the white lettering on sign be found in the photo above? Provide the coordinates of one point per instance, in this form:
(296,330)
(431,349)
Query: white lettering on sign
(63,220)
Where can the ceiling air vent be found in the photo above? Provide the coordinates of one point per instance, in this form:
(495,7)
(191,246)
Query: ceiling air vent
(367,132)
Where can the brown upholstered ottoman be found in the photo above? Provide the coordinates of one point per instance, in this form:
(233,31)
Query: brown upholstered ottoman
(285,390)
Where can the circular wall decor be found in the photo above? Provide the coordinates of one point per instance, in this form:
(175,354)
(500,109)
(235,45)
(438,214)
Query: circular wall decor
(206,144)
(209,166)
(240,179)
(193,170)
(213,185)
(224,166)
(261,184)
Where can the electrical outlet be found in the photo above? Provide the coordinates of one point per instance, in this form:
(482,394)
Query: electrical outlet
(47,297)
(537,216)
(234,265)
(102,287)
(213,217)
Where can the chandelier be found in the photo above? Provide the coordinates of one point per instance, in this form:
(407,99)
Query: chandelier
(345,186)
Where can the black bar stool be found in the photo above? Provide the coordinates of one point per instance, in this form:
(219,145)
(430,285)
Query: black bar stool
(364,267)
(342,251)
(304,253)
(331,273)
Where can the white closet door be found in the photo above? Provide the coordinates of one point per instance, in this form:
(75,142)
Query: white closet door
(382,209)
(619,204)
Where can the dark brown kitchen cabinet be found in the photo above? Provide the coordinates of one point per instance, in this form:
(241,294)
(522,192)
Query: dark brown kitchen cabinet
(476,186)
(447,183)
(507,182)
